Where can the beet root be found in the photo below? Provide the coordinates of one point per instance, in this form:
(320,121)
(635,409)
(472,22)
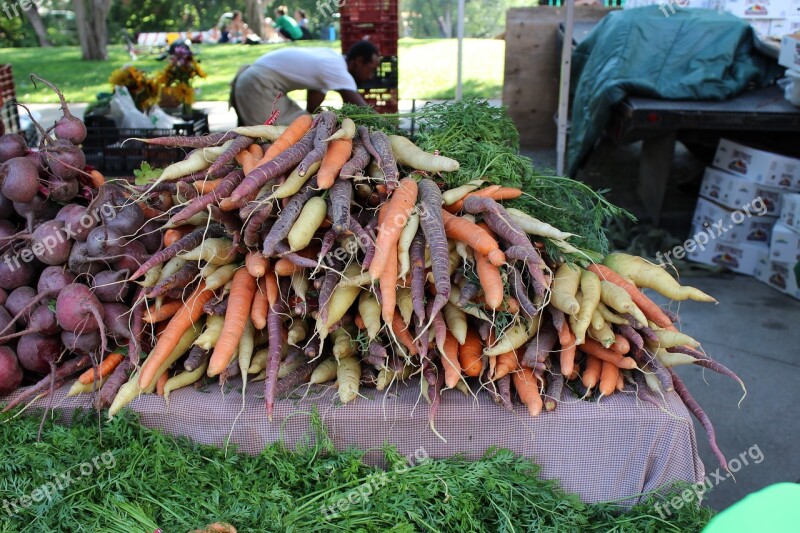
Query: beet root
(10,371)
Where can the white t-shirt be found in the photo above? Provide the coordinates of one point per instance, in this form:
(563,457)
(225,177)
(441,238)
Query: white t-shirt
(321,69)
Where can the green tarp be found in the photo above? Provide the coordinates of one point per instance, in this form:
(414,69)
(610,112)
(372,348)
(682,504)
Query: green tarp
(693,54)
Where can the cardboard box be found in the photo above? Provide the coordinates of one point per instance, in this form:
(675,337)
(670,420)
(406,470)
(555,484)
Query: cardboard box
(758,166)
(727,225)
(761,9)
(784,245)
(790,211)
(780,27)
(789,56)
(740,257)
(734,192)
(784,277)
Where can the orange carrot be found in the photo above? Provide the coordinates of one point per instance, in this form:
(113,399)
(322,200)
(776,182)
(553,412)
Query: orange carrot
(293,133)
(528,389)
(621,344)
(167,310)
(256,264)
(256,151)
(469,354)
(568,349)
(359,322)
(483,193)
(174,234)
(591,375)
(186,316)
(105,368)
(206,186)
(240,302)
(400,330)
(284,267)
(596,349)
(620,382)
(491,281)
(97,180)
(506,363)
(258,312)
(452,368)
(477,238)
(388,285)
(395,213)
(271,287)
(335,157)
(648,307)
(148,211)
(609,374)
(162,380)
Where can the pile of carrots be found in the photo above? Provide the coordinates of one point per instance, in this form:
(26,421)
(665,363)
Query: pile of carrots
(323,252)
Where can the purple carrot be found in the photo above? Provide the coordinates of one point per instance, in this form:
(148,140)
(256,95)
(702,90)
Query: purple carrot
(540,346)
(187,191)
(295,378)
(519,291)
(311,350)
(275,167)
(282,250)
(705,361)
(254,224)
(231,371)
(369,376)
(632,320)
(416,254)
(484,330)
(364,239)
(137,327)
(422,340)
(327,242)
(631,334)
(341,194)
(358,161)
(114,382)
(329,281)
(643,392)
(433,227)
(503,395)
(238,144)
(179,279)
(203,141)
(649,361)
(187,242)
(229,220)
(648,334)
(197,356)
(288,216)
(376,354)
(435,378)
(558,318)
(363,134)
(324,128)
(199,205)
(258,203)
(671,315)
(469,291)
(59,373)
(275,330)
(698,413)
(533,260)
(210,306)
(554,390)
(388,164)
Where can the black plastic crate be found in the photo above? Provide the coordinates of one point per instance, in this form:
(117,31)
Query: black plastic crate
(109,149)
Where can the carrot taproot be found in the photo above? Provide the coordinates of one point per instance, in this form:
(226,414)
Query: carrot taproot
(476,237)
(206,186)
(449,355)
(162,381)
(256,264)
(646,274)
(284,267)
(470,354)
(291,135)
(258,310)
(609,374)
(621,344)
(104,369)
(186,316)
(96,178)
(486,192)
(596,349)
(240,303)
(394,213)
(401,331)
(491,281)
(172,235)
(388,286)
(335,157)
(646,305)
(187,242)
(506,364)
(167,310)
(568,350)
(591,374)
(527,386)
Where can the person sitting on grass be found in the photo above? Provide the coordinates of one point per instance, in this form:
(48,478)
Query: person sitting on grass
(286,25)
(302,21)
(317,70)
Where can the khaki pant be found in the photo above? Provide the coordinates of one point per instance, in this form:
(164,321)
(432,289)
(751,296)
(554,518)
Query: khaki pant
(253,92)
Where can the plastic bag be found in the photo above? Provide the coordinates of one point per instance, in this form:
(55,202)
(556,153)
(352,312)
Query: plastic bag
(160,119)
(124,111)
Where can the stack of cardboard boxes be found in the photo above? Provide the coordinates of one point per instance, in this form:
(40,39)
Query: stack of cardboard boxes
(748,216)
(770,18)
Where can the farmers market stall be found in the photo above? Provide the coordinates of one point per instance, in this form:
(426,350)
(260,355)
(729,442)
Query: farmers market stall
(651,448)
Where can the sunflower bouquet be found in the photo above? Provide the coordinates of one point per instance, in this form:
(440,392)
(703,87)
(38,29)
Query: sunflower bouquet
(176,78)
(143,88)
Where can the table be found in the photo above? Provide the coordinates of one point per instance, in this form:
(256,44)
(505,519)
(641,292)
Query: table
(610,450)
(660,123)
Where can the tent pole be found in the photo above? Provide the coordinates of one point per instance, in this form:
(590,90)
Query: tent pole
(563,91)
(460,33)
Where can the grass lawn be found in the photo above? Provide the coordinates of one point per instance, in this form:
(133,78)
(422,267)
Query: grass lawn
(427,69)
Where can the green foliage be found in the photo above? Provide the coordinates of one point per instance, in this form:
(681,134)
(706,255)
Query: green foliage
(143,480)
(437,18)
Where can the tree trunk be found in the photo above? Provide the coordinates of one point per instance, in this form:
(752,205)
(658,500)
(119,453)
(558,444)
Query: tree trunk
(446,22)
(90,16)
(38,26)
(254,16)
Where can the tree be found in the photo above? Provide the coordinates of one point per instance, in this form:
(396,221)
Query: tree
(92,31)
(254,16)
(38,26)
